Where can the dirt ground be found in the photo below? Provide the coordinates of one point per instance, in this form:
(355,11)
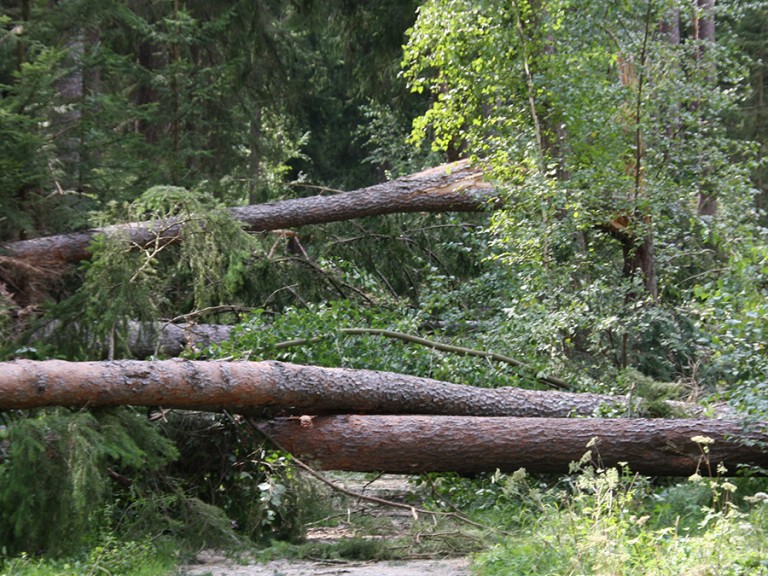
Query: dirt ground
(217,566)
(390,487)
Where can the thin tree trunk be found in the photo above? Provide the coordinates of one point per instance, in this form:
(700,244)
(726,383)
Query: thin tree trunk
(277,388)
(704,33)
(67,117)
(256,186)
(145,93)
(21,47)
(670,26)
(448,188)
(670,33)
(416,444)
(175,57)
(143,340)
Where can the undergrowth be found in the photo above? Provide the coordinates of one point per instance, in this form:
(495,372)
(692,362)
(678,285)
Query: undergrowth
(611,521)
(109,558)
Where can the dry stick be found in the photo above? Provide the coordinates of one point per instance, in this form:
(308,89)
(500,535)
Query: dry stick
(556,382)
(414,510)
(328,276)
(201,311)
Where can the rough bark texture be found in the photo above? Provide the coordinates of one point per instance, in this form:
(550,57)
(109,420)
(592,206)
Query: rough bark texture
(447,188)
(458,427)
(277,388)
(270,388)
(414,444)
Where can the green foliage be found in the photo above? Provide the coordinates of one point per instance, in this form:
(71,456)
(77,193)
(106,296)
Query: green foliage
(54,481)
(122,283)
(584,114)
(384,136)
(227,487)
(336,334)
(102,101)
(110,557)
(27,144)
(609,522)
(180,108)
(731,314)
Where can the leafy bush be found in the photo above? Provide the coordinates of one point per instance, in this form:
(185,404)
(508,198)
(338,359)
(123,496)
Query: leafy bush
(228,480)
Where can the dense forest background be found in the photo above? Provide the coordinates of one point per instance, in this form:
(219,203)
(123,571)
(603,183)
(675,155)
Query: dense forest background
(626,254)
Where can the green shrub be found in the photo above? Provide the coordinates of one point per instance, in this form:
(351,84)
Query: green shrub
(109,558)
(612,522)
(56,490)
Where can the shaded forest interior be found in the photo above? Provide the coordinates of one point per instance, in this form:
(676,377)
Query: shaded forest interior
(414,237)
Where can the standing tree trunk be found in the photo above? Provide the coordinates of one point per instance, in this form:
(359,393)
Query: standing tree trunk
(256,186)
(704,34)
(639,253)
(67,116)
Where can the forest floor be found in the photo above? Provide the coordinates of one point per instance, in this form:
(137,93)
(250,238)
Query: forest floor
(223,567)
(361,538)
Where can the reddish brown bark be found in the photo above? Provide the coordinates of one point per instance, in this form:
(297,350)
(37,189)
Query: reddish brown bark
(278,387)
(447,188)
(271,387)
(414,444)
(446,440)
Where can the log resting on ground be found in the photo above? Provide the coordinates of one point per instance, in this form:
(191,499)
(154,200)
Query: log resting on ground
(273,388)
(454,187)
(468,445)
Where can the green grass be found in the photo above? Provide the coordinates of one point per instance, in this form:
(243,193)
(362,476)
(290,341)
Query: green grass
(112,558)
(614,523)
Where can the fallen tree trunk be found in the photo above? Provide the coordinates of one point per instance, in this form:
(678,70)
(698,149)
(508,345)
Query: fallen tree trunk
(150,339)
(168,339)
(464,432)
(449,188)
(253,387)
(468,445)
(271,387)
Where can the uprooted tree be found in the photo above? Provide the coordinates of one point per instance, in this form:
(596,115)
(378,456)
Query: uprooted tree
(364,420)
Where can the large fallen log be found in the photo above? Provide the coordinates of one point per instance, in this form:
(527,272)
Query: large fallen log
(270,388)
(438,438)
(454,187)
(253,387)
(415,444)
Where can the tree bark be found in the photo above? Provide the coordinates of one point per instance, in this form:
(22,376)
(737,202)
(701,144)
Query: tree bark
(144,340)
(704,33)
(454,427)
(454,187)
(468,445)
(272,388)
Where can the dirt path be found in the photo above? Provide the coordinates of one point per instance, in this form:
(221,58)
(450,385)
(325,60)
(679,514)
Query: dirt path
(391,523)
(222,567)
